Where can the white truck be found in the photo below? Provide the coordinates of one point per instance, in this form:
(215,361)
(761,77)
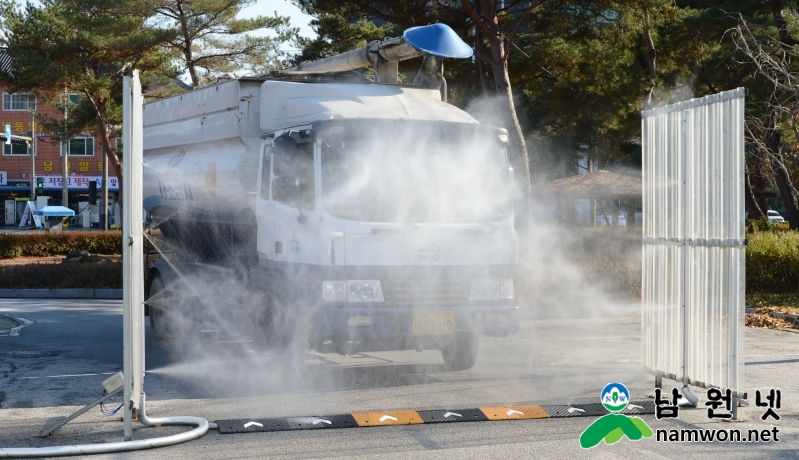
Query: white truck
(368,215)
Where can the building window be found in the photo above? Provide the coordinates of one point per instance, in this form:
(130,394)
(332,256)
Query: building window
(16,148)
(80,146)
(18,102)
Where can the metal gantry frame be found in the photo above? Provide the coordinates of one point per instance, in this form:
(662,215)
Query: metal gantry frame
(132,251)
(694,246)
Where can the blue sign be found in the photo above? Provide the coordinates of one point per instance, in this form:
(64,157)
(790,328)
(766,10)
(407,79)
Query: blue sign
(8,134)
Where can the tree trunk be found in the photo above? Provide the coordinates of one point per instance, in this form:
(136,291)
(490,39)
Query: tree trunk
(651,64)
(781,176)
(111,156)
(518,156)
(751,201)
(188,53)
(485,84)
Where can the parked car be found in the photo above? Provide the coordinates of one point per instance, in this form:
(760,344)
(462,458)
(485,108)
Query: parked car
(774,217)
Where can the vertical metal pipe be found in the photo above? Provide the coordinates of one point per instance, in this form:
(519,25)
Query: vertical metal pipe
(33,156)
(64,161)
(686,245)
(132,247)
(104,194)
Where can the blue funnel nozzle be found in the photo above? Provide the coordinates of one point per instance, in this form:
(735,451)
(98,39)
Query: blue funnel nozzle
(438,40)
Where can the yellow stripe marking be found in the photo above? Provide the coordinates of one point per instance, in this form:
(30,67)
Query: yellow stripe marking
(514,412)
(406,417)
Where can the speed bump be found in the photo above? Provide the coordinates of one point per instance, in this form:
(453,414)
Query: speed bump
(514,412)
(405,417)
(454,415)
(412,417)
(285,424)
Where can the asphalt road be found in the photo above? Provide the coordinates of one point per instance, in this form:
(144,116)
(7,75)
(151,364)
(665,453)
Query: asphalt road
(56,364)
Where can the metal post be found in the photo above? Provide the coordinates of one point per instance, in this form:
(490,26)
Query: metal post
(104,194)
(64,161)
(32,147)
(686,247)
(132,250)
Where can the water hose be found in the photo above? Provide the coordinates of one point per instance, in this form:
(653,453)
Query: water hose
(201,425)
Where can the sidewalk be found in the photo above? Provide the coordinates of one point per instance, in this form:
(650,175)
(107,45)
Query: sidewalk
(15,229)
(60,293)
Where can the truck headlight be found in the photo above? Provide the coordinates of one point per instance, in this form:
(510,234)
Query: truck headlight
(352,291)
(492,289)
(334,291)
(364,291)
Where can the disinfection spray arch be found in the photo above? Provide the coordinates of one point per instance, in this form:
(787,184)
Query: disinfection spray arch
(421,257)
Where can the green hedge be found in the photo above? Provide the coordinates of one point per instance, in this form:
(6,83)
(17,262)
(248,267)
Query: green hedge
(772,262)
(58,244)
(97,275)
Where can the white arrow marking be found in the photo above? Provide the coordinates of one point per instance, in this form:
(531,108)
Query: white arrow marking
(452,414)
(633,406)
(574,409)
(249,424)
(511,411)
(321,420)
(387,417)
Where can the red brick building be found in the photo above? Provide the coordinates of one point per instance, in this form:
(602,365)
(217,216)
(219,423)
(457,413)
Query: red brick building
(84,155)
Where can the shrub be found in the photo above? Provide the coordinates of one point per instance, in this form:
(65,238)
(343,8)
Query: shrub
(772,262)
(107,274)
(610,258)
(56,244)
(582,266)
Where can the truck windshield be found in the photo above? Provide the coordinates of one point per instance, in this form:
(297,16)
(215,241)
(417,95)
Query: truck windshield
(416,181)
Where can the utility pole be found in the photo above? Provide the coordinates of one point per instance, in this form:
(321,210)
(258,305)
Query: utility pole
(64,162)
(105,191)
(32,147)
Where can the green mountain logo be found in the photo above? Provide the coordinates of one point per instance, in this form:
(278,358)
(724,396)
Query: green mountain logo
(612,427)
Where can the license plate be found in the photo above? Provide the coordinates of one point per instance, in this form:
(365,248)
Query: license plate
(433,322)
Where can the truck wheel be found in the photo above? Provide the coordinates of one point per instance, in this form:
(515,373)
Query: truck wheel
(461,353)
(269,328)
(160,323)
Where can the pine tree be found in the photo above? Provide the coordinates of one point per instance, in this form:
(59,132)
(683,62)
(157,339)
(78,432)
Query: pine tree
(211,41)
(84,47)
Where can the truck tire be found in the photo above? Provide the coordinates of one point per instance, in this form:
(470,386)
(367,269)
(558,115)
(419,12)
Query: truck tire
(163,329)
(461,353)
(270,328)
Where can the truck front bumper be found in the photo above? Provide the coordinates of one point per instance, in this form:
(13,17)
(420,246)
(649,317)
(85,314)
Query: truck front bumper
(380,328)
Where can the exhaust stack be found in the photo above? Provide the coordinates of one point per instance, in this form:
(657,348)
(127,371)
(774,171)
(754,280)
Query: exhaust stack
(433,42)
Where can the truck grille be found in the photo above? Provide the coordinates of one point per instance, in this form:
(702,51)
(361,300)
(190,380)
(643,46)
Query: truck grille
(419,292)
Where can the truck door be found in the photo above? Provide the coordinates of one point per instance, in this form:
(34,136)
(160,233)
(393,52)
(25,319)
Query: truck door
(295,211)
(263,205)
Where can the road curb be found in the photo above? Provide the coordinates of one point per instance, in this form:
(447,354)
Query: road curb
(60,293)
